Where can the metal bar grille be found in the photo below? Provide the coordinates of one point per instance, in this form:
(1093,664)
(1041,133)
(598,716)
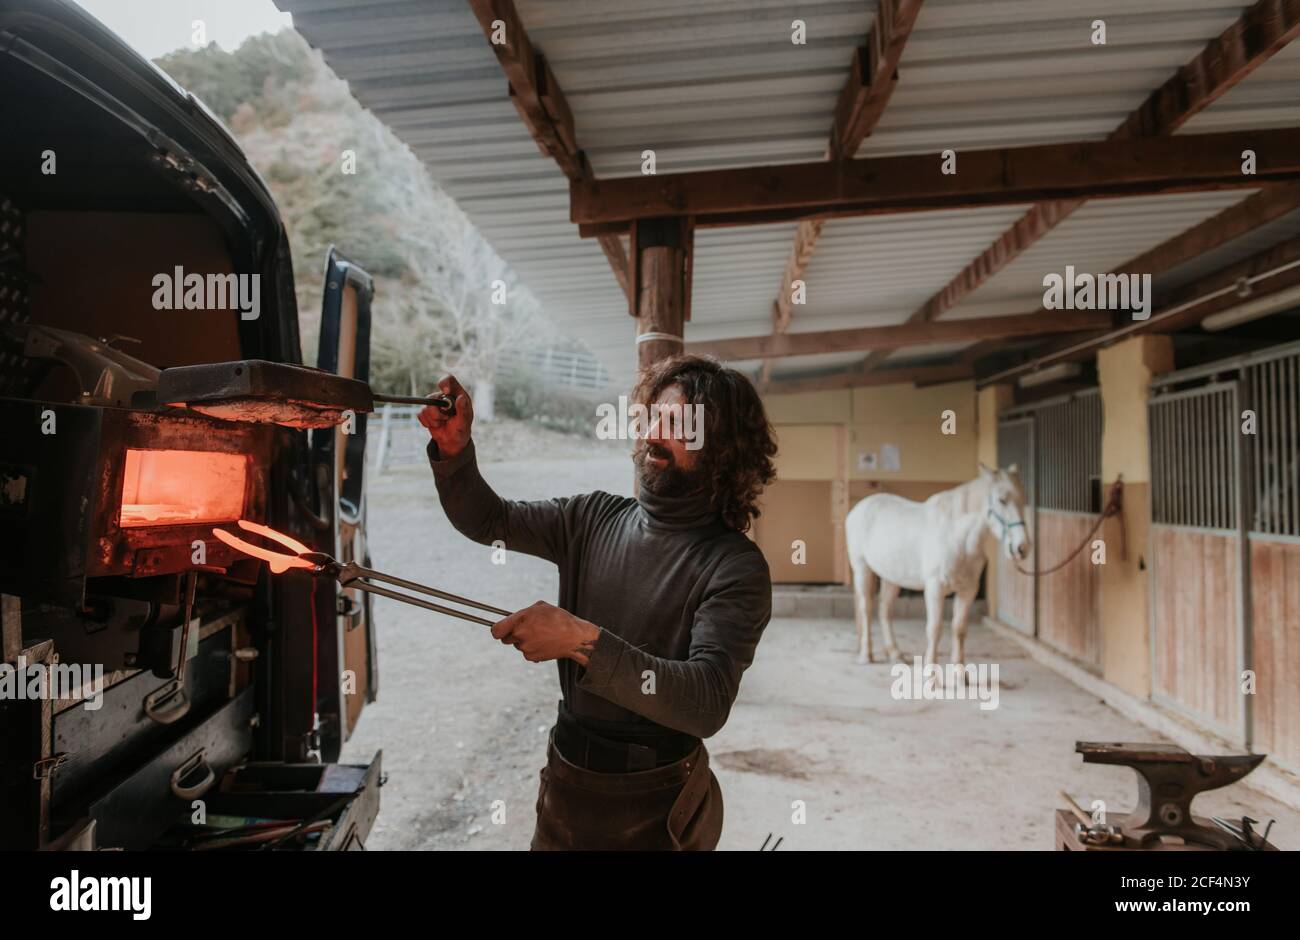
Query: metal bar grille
(1015,447)
(1193,472)
(1274,387)
(1069,458)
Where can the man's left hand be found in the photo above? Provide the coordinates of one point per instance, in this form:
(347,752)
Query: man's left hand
(544,632)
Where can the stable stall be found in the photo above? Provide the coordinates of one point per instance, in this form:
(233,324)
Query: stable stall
(1225,547)
(1056,446)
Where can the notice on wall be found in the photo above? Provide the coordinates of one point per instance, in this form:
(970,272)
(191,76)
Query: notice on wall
(890,458)
(866,461)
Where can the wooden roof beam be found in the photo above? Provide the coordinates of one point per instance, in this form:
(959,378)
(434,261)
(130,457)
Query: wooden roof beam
(1232,223)
(899,335)
(1249,42)
(884,185)
(873,75)
(542,107)
(913,375)
(1269,272)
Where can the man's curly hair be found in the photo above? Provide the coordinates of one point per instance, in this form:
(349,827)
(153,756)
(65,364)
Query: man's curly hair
(739,443)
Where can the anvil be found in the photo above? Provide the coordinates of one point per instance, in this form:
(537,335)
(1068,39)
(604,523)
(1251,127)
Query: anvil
(1169,778)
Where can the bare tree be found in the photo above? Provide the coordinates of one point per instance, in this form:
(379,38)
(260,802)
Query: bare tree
(484,308)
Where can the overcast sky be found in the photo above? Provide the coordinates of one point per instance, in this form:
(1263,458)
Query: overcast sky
(155,27)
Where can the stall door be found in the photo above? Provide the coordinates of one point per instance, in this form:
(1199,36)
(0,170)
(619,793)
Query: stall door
(1198,614)
(1274,461)
(1067,490)
(801,526)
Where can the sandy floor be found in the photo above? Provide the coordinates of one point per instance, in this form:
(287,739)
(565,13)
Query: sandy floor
(462,719)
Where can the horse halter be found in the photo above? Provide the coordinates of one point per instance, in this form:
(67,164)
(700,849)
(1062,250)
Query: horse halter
(1006,526)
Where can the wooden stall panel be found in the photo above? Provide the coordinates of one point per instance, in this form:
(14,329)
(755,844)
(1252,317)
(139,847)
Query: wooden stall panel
(805,511)
(1194,622)
(1275,600)
(1069,600)
(1016,590)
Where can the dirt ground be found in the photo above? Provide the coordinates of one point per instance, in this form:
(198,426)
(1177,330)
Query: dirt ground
(462,720)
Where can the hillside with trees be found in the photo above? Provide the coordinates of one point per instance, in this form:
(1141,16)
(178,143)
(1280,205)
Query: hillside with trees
(342,178)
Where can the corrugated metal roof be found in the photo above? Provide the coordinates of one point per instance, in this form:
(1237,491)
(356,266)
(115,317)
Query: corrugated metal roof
(718,83)
(876,270)
(704,84)
(1006,73)
(1098,237)
(1238,249)
(1270,97)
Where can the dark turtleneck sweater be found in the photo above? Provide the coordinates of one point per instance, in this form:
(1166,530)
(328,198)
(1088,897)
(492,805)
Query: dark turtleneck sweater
(674,591)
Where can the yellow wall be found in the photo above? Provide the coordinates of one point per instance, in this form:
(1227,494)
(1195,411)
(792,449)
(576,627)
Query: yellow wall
(1125,371)
(992,400)
(809,452)
(810,407)
(911,419)
(821,434)
(807,501)
(902,415)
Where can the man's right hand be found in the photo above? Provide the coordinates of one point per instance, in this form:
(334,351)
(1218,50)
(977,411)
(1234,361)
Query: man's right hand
(451,434)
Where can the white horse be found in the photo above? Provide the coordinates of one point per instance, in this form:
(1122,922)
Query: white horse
(938,547)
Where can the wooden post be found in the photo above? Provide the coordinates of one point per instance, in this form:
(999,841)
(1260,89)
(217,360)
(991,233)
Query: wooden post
(661,249)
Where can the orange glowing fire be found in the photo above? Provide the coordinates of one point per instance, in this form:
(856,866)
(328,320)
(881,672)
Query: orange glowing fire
(278,561)
(180,487)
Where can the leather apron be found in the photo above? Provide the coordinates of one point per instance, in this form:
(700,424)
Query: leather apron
(676,807)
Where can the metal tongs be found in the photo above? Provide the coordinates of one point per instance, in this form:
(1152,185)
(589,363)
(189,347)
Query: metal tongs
(1245,832)
(350,575)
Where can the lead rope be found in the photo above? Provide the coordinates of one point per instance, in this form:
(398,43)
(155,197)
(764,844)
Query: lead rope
(1114,507)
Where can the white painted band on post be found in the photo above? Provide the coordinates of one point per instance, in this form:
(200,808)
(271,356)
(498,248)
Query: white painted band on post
(659,337)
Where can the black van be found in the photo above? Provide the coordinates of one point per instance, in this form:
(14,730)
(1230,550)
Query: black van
(159,689)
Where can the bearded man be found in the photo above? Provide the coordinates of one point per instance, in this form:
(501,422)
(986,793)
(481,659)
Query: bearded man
(663,600)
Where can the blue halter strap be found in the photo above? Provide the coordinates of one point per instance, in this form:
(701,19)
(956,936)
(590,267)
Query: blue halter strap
(1006,526)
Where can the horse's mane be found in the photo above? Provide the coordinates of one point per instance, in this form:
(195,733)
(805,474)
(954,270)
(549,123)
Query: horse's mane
(965,498)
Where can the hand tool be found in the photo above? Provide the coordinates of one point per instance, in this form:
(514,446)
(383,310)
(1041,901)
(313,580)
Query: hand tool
(1169,778)
(1087,830)
(443,403)
(349,575)
(257,391)
(1245,833)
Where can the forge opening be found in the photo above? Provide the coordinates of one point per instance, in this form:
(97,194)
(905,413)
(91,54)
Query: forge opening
(182,487)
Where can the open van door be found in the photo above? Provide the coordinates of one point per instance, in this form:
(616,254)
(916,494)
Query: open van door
(346,657)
